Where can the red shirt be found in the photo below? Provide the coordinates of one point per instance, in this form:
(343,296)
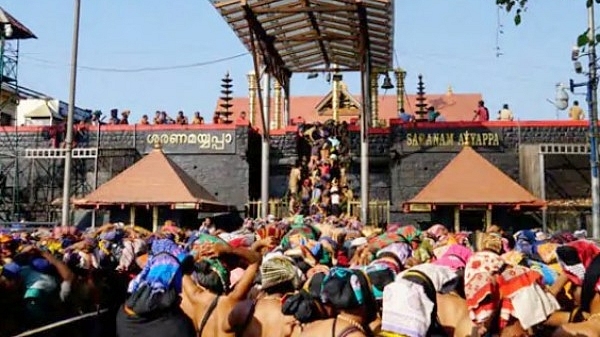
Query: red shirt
(482,114)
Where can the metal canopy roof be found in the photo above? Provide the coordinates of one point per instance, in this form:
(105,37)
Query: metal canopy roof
(313,35)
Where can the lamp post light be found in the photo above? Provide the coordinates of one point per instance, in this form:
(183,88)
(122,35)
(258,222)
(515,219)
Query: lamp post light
(66,202)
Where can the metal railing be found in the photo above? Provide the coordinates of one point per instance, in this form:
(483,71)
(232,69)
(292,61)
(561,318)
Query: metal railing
(379,210)
(61,323)
(27,226)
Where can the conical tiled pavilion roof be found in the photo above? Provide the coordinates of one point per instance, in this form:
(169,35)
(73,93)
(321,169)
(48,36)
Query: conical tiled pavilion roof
(154,180)
(470,179)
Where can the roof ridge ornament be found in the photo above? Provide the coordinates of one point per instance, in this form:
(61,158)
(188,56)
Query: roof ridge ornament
(157,145)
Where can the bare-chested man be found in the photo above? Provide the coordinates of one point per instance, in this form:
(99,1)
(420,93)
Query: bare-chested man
(354,306)
(210,309)
(295,177)
(279,276)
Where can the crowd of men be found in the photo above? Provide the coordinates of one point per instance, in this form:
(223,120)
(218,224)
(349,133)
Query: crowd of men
(300,276)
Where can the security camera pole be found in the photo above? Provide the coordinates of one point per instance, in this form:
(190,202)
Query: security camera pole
(592,100)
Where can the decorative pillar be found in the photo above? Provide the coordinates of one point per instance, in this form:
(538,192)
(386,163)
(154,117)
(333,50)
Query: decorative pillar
(286,106)
(154,219)
(488,218)
(335,99)
(400,87)
(252,97)
(132,215)
(277,116)
(375,99)
(456,219)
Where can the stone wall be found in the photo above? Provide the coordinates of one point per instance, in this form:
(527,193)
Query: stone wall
(401,163)
(399,169)
(222,168)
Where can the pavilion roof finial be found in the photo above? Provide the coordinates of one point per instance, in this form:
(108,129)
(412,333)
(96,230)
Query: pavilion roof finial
(466,142)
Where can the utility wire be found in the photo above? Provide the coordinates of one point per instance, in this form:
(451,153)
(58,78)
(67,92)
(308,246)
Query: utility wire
(142,69)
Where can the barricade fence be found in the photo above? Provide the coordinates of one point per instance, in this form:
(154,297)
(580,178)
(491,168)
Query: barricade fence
(378,214)
(62,323)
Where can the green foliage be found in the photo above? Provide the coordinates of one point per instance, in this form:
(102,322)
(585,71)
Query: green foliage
(518,7)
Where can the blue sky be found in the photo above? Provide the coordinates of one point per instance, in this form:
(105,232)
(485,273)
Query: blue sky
(449,42)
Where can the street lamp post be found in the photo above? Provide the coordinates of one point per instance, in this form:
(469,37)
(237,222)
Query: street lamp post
(592,101)
(66,202)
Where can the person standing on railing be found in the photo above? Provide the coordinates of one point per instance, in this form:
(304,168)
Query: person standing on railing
(481,113)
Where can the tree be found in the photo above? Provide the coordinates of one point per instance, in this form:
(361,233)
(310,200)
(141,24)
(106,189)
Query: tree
(520,6)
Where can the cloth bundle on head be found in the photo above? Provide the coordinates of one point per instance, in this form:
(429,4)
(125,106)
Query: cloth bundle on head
(523,298)
(10,270)
(202,238)
(346,289)
(304,254)
(575,257)
(410,232)
(580,234)
(437,232)
(379,276)
(299,236)
(480,288)
(547,252)
(316,270)
(278,270)
(455,257)
(399,251)
(526,242)
(163,268)
(563,237)
(170,231)
(492,242)
(270,231)
(238,240)
(383,240)
(60,231)
(212,274)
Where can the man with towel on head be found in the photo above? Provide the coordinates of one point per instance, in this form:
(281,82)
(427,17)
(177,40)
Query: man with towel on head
(279,277)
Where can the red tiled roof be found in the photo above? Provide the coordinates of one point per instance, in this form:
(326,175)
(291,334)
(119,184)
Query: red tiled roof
(154,180)
(452,106)
(469,179)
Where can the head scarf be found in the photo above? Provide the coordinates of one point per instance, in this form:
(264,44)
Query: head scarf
(345,289)
(455,257)
(163,268)
(278,270)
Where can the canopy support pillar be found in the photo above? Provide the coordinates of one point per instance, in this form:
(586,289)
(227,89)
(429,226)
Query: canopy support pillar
(154,219)
(488,218)
(456,219)
(132,215)
(542,174)
(365,113)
